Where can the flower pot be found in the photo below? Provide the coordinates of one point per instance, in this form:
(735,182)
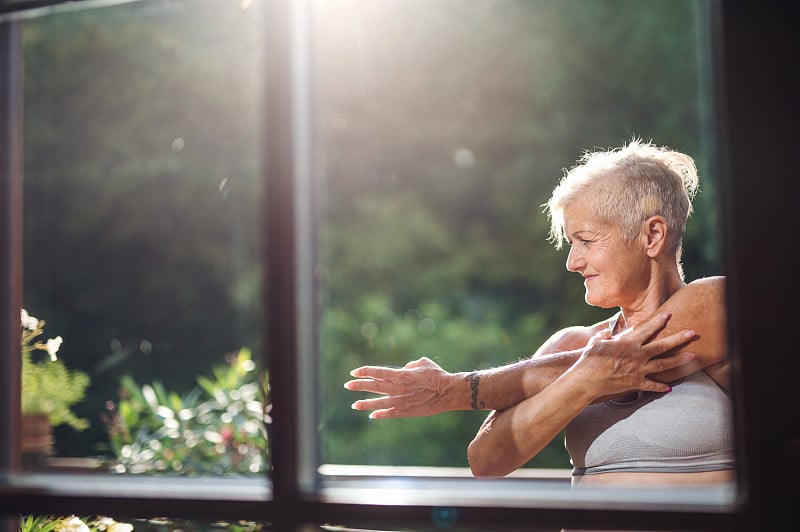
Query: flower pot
(37,440)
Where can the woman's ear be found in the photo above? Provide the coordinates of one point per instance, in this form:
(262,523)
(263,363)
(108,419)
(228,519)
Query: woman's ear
(655,235)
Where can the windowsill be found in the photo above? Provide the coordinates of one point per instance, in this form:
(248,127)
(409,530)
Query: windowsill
(116,486)
(376,485)
(371,498)
(356,472)
(526,488)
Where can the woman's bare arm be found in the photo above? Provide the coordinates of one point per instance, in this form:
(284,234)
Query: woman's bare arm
(422,388)
(508,439)
(701,306)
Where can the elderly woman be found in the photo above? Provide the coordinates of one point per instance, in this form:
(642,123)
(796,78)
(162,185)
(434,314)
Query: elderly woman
(636,405)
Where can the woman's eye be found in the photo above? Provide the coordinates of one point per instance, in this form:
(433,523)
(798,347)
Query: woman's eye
(582,241)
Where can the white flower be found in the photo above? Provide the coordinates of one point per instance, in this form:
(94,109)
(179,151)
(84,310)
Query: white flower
(109,525)
(73,524)
(53,345)
(28,321)
(121,527)
(103,522)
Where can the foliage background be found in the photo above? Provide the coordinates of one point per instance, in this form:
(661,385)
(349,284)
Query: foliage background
(442,127)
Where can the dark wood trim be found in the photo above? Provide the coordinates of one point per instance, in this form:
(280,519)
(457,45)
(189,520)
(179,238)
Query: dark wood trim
(758,74)
(290,291)
(379,503)
(14,6)
(758,122)
(280,253)
(11,163)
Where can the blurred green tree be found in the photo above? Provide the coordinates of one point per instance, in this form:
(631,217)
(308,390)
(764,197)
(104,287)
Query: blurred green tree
(445,127)
(142,190)
(442,128)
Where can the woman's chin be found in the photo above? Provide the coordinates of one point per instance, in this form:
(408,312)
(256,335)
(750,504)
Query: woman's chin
(598,302)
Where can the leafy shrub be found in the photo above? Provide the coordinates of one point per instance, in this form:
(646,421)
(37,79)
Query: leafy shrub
(72,523)
(219,427)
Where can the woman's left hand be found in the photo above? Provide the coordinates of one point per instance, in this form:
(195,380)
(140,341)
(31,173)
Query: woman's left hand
(420,388)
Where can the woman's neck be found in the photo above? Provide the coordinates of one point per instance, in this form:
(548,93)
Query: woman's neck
(652,298)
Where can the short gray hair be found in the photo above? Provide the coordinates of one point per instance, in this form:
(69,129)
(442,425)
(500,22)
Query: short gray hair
(628,185)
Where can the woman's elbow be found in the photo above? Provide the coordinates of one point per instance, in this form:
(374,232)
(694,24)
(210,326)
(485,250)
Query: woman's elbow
(482,462)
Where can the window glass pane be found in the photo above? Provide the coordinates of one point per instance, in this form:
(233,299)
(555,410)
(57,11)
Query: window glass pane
(142,236)
(445,126)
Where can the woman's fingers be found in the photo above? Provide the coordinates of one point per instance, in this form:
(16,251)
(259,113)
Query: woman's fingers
(369,385)
(375,372)
(386,413)
(657,365)
(377,403)
(389,407)
(652,326)
(604,334)
(655,386)
(663,364)
(662,345)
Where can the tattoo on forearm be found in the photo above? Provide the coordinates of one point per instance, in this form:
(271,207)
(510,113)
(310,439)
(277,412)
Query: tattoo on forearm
(474,381)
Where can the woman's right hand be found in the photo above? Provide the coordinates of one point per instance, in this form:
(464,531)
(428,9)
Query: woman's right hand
(616,364)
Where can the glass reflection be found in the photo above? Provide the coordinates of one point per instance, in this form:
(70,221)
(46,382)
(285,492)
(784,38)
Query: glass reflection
(445,127)
(142,232)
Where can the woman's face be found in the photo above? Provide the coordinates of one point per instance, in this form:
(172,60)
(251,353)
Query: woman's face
(615,273)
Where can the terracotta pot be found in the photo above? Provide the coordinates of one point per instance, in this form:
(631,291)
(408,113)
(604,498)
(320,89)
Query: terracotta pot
(37,434)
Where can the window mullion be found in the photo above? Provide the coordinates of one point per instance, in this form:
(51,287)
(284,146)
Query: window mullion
(11,100)
(289,285)
(11,156)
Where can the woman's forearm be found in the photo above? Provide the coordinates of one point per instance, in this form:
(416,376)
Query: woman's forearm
(503,387)
(423,388)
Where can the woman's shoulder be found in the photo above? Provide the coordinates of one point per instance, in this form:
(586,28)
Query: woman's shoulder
(704,295)
(714,283)
(573,337)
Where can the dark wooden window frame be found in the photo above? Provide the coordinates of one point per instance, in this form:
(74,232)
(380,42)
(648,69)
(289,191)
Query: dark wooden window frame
(755,68)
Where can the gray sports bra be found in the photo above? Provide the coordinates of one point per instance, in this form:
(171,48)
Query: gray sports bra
(686,430)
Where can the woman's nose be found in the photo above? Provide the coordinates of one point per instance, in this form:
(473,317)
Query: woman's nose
(574,260)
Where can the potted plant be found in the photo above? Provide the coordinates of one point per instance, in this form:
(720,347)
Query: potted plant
(49,389)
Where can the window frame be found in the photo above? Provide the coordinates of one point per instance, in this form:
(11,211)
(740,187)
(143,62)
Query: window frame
(11,161)
(295,494)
